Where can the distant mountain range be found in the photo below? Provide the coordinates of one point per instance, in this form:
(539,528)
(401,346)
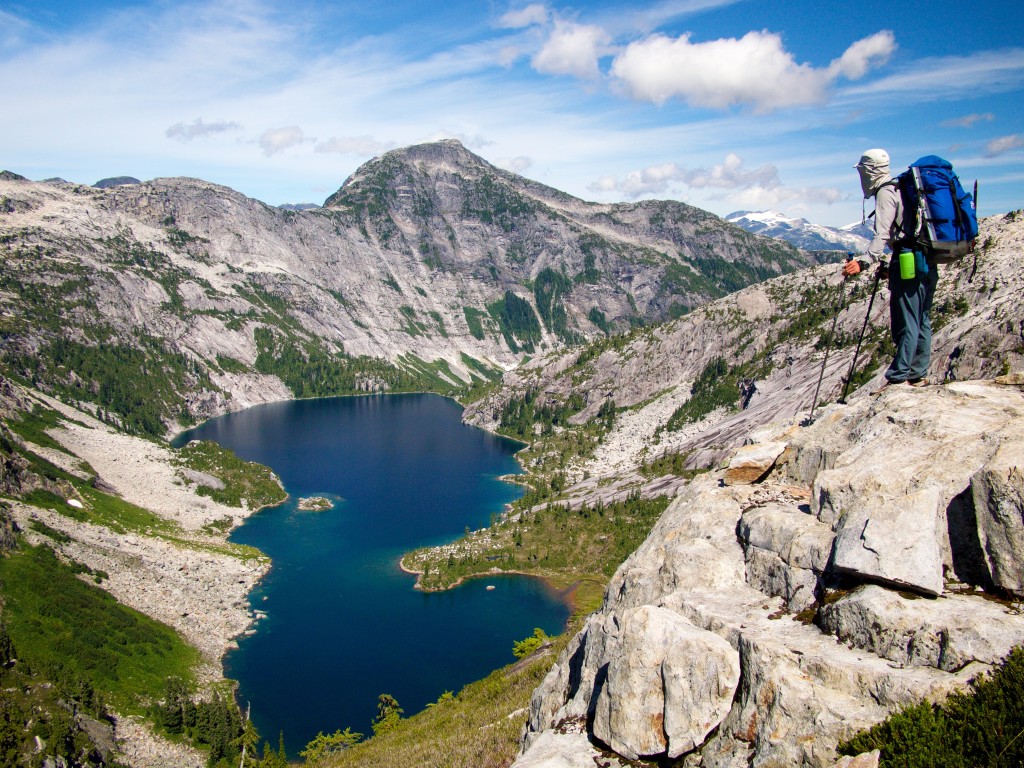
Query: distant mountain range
(802,233)
(298,206)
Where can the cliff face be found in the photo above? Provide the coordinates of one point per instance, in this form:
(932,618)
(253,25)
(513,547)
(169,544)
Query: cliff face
(819,577)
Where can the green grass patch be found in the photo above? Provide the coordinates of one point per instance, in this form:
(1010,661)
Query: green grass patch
(246,483)
(597,317)
(669,464)
(437,376)
(309,370)
(548,290)
(556,542)
(35,705)
(55,619)
(715,387)
(40,527)
(517,322)
(122,516)
(490,373)
(519,415)
(138,387)
(231,365)
(117,514)
(32,427)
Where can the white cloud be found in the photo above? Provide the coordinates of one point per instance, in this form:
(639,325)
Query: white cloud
(754,70)
(519,164)
(197,129)
(354,145)
(730,180)
(507,56)
(573,49)
(658,179)
(652,17)
(532,15)
(948,77)
(12,30)
(731,174)
(277,140)
(772,197)
(1004,144)
(863,54)
(968,121)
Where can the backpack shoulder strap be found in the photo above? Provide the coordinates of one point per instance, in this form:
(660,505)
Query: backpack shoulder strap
(896,228)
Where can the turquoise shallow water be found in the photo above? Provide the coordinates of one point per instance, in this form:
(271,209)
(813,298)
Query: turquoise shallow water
(343,623)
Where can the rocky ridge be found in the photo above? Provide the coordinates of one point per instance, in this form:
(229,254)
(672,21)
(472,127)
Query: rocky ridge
(648,375)
(774,336)
(747,629)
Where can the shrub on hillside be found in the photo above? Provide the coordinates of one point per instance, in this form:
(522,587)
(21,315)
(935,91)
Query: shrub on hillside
(983,726)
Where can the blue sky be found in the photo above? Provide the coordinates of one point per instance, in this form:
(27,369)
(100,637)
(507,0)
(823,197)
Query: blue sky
(724,104)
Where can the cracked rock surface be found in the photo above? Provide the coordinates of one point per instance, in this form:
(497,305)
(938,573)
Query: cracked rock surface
(881,551)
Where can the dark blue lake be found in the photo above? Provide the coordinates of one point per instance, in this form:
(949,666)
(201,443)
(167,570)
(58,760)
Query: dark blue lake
(344,624)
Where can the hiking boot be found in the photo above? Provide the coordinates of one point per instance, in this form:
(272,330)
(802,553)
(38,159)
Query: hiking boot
(886,386)
(918,382)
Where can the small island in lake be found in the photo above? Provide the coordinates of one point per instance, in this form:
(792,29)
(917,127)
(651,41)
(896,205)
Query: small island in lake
(315,504)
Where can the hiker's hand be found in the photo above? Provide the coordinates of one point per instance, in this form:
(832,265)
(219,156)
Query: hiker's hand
(883,272)
(851,268)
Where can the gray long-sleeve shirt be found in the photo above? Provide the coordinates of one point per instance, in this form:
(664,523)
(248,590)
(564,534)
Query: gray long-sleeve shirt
(888,208)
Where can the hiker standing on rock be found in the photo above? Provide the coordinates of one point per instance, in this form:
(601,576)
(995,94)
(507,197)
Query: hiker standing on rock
(910,300)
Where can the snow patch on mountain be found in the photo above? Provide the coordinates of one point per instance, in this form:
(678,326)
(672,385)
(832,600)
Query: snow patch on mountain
(802,233)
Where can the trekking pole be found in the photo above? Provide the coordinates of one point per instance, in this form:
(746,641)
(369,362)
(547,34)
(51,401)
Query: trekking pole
(974,269)
(856,354)
(828,345)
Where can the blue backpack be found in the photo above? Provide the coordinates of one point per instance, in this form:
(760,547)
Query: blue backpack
(939,217)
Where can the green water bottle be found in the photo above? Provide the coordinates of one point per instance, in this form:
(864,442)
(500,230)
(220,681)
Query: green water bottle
(907,265)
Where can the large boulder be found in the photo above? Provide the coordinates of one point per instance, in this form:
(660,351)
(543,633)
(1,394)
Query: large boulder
(668,684)
(752,462)
(998,493)
(786,551)
(893,540)
(553,749)
(946,634)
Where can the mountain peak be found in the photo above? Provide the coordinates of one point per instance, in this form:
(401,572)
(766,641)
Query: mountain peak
(395,164)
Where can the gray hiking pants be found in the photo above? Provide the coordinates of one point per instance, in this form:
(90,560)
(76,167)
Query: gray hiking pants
(910,304)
